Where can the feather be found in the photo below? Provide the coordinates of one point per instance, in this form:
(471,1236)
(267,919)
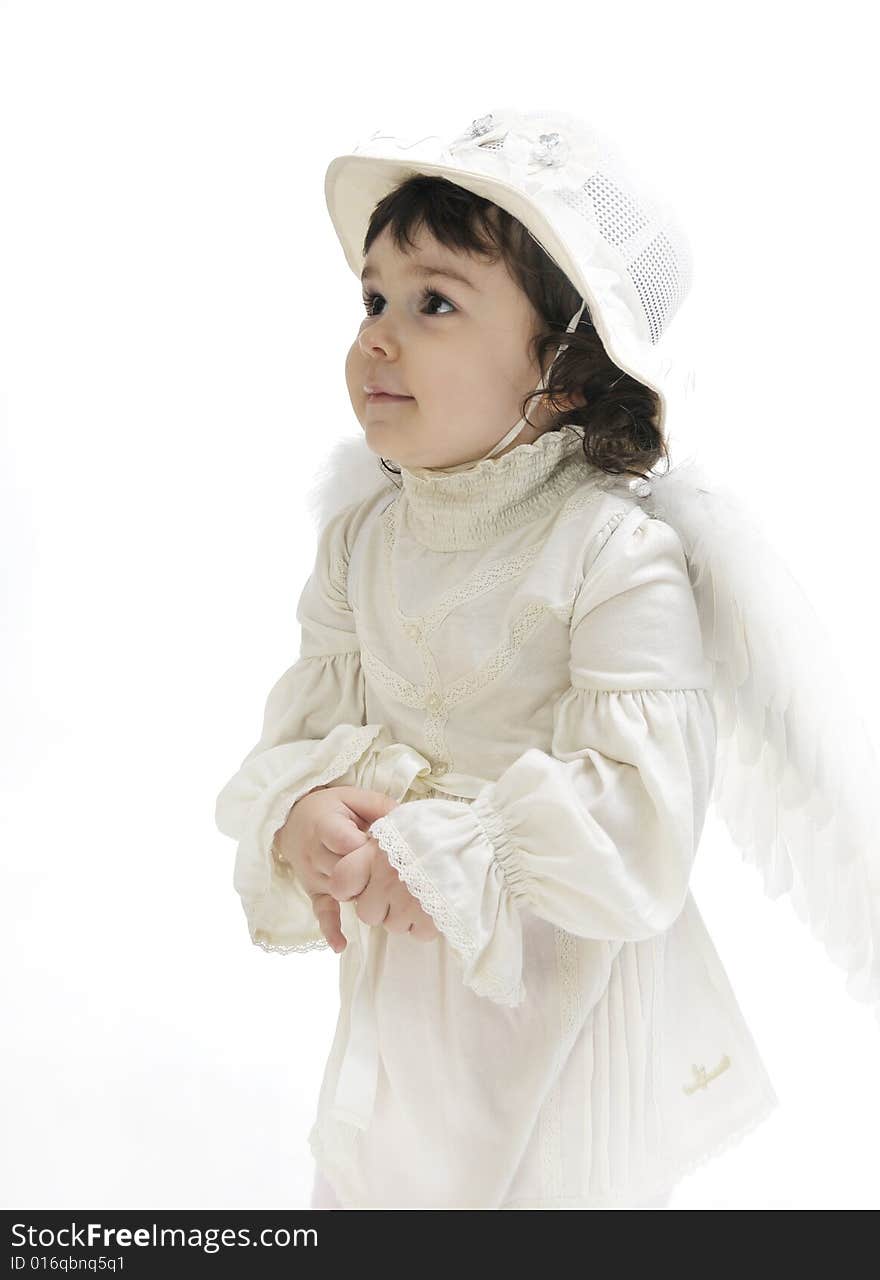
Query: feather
(797,783)
(350,473)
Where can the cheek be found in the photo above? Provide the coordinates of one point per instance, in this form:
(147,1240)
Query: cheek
(354,365)
(459,370)
(493,381)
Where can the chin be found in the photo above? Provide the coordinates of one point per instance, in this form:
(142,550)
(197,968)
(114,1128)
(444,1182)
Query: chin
(383,431)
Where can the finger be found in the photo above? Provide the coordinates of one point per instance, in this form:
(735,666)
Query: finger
(373,903)
(386,899)
(338,832)
(328,915)
(313,872)
(368,805)
(423,929)
(398,920)
(351,874)
(324,861)
(407,916)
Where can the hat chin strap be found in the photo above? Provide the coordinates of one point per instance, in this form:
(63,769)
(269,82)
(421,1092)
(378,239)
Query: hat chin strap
(519,426)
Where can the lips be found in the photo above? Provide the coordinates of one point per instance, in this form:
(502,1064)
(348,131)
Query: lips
(384,397)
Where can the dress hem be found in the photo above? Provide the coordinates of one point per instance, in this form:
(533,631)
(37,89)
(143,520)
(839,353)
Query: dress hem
(623,1198)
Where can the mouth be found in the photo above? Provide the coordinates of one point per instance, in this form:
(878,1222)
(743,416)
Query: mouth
(382,397)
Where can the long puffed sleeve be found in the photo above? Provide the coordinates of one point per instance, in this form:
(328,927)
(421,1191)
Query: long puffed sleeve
(314,734)
(599,835)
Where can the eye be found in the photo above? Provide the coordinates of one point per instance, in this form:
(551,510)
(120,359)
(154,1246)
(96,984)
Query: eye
(369,299)
(426,296)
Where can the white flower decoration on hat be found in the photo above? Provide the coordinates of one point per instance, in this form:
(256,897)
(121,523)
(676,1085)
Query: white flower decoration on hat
(533,155)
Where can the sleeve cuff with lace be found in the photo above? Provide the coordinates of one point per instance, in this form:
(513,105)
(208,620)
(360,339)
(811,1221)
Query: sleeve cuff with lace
(447,860)
(599,843)
(255,804)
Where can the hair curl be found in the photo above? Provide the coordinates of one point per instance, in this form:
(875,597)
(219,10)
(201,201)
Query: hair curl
(619,414)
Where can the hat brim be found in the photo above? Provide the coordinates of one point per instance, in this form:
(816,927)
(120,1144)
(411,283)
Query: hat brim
(354,185)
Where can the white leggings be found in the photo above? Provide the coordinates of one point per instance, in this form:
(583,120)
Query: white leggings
(324,1197)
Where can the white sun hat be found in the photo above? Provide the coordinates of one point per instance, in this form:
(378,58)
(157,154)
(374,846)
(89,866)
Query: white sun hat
(619,243)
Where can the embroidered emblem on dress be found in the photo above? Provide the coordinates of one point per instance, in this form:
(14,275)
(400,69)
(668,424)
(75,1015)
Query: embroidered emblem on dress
(702,1077)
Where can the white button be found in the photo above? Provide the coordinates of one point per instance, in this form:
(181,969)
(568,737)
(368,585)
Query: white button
(439,768)
(434,701)
(413,630)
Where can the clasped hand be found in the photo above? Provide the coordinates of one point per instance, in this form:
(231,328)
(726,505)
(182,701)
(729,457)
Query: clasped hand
(325,841)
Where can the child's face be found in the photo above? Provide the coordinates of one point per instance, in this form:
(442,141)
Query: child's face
(461,357)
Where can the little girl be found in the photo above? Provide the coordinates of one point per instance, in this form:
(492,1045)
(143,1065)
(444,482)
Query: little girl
(485,779)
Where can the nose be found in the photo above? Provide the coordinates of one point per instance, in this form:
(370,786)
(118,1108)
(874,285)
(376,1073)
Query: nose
(376,338)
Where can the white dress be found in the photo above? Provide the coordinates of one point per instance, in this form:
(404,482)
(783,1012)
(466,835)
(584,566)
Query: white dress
(513,651)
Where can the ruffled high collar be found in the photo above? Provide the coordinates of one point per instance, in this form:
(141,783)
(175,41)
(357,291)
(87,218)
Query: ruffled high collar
(464,507)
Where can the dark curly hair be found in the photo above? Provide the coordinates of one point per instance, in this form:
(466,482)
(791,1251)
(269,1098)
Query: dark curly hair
(619,414)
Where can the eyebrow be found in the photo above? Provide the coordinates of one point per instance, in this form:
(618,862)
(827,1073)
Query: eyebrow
(369,273)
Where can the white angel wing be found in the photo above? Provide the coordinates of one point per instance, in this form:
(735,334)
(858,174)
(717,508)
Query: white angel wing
(349,473)
(797,782)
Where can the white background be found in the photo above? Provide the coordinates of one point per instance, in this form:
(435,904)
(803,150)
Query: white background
(176,312)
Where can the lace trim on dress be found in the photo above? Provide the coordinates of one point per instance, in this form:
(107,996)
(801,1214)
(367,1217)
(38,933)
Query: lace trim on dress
(464,947)
(338,573)
(431,696)
(276,817)
(479,583)
(549,1120)
(316,944)
(663,1180)
(492,575)
(550,1117)
(411,695)
(332,1145)
(607,529)
(530,618)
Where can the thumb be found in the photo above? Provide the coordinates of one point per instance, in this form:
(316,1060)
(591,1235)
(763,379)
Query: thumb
(367,805)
